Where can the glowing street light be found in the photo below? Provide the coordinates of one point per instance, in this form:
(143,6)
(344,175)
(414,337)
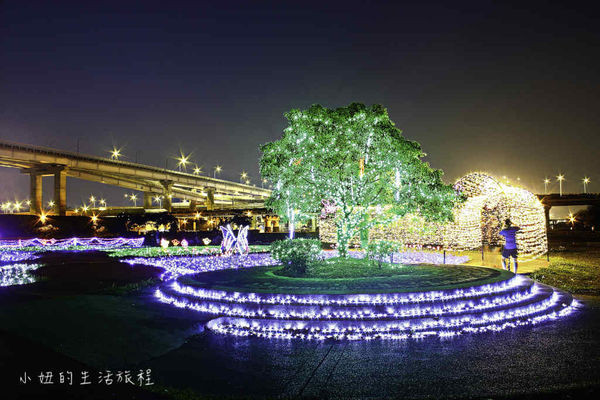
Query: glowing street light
(28,202)
(560,179)
(197,170)
(94,219)
(243,176)
(546,182)
(263,183)
(43,217)
(51,203)
(93,201)
(103,202)
(133,198)
(217,170)
(84,208)
(586,180)
(115,154)
(17,206)
(158,199)
(183,161)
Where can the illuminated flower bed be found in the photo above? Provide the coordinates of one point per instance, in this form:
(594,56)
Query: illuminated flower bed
(38,244)
(176,251)
(443,301)
(8,256)
(17,274)
(178,266)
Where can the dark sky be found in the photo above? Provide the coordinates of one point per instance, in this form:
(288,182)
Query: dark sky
(509,89)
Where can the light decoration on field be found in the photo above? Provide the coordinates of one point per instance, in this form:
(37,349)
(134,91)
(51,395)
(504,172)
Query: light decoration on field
(509,303)
(149,252)
(8,256)
(477,221)
(177,266)
(75,243)
(17,274)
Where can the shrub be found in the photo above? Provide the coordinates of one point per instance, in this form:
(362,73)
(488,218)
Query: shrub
(296,254)
(379,249)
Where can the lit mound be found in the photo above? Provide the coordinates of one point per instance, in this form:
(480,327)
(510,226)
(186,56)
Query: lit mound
(427,300)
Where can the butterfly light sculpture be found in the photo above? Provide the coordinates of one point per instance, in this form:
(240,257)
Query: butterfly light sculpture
(230,243)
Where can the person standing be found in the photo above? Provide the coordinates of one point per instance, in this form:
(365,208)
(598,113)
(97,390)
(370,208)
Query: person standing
(510,245)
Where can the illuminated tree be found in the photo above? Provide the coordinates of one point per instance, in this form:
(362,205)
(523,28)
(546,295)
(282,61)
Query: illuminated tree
(356,158)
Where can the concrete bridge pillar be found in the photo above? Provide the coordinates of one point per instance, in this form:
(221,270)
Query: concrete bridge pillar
(210,199)
(547,215)
(60,192)
(167,194)
(35,193)
(147,200)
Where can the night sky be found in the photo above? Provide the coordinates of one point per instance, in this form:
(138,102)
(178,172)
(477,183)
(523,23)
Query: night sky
(513,90)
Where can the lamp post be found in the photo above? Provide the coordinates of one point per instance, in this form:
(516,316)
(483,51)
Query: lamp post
(262,185)
(243,176)
(133,198)
(217,170)
(560,179)
(93,201)
(586,180)
(546,182)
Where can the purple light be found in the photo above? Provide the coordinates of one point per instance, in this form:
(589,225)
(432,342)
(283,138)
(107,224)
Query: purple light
(517,301)
(59,244)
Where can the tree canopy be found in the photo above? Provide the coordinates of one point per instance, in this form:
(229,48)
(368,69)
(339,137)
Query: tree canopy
(356,159)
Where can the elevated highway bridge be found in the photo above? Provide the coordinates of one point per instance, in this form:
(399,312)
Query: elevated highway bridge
(550,200)
(38,161)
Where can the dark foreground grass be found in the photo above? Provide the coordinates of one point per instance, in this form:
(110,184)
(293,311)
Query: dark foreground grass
(577,272)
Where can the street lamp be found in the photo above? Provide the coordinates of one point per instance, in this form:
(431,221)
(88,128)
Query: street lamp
(115,154)
(243,176)
(183,161)
(93,201)
(197,170)
(262,185)
(560,179)
(158,199)
(103,202)
(51,203)
(586,180)
(546,182)
(217,170)
(133,198)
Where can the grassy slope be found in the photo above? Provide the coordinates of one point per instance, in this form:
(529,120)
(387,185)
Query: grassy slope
(575,271)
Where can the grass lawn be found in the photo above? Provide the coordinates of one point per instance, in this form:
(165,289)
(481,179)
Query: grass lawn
(343,268)
(575,271)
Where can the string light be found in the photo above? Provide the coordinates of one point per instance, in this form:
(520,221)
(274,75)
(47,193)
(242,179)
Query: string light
(510,302)
(39,244)
(478,220)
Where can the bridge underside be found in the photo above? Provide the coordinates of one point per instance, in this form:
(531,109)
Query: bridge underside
(201,191)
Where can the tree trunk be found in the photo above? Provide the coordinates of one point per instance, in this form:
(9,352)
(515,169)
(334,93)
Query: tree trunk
(343,238)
